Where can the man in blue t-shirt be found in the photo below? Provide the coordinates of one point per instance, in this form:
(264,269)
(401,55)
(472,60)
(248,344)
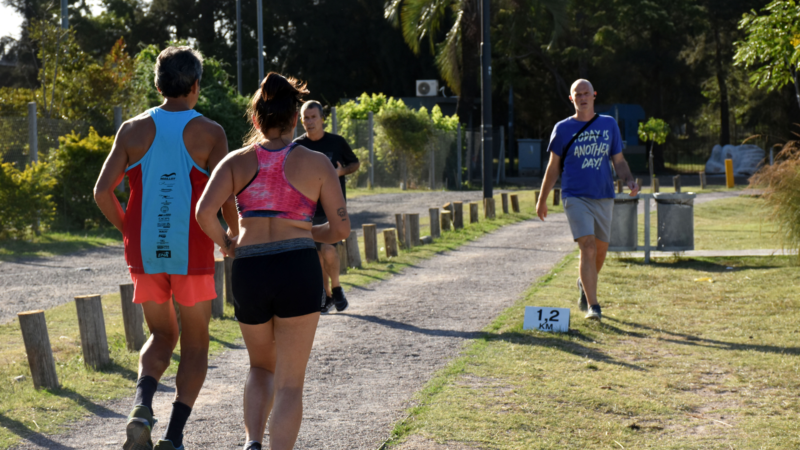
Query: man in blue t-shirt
(587,184)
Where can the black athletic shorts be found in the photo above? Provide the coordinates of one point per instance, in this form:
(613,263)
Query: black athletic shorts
(281,279)
(321,220)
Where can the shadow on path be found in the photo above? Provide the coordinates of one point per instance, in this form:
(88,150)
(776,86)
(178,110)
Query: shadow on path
(27,434)
(415,329)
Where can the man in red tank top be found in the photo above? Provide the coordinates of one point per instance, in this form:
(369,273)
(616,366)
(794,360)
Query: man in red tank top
(177,78)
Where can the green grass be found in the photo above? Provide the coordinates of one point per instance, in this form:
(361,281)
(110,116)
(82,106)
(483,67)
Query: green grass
(362,191)
(676,364)
(737,223)
(58,243)
(25,411)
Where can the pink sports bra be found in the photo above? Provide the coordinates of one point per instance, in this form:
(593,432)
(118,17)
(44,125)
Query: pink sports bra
(269,193)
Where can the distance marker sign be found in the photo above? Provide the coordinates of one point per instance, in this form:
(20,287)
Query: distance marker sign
(546,319)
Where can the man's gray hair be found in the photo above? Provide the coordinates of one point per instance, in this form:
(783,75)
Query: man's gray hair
(176,70)
(313,104)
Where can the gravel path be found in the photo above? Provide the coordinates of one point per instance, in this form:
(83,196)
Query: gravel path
(368,362)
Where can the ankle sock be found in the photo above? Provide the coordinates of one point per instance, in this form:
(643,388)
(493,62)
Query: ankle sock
(145,390)
(335,290)
(177,420)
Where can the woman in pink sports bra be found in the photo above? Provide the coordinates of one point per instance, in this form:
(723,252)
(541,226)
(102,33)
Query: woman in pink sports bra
(277,279)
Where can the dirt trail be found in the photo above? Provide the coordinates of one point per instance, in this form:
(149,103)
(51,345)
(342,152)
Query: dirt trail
(368,362)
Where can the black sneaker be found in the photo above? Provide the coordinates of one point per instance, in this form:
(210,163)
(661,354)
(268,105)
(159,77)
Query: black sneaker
(583,304)
(339,299)
(253,445)
(326,308)
(594,313)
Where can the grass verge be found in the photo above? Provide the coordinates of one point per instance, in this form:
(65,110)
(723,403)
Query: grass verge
(25,411)
(58,243)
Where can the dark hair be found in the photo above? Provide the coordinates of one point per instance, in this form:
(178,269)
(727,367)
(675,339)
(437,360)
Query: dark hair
(313,104)
(177,68)
(274,105)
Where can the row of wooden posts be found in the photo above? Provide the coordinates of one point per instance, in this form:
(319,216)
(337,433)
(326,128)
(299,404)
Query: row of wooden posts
(94,341)
(676,183)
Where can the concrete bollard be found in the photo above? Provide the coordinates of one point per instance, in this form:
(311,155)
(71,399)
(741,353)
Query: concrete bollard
(433,215)
(370,231)
(132,318)
(37,347)
(504,199)
(556,197)
(412,229)
(218,304)
(515,203)
(228,282)
(390,242)
(353,254)
(473,212)
(676,183)
(488,208)
(702,180)
(401,230)
(458,215)
(445,216)
(94,342)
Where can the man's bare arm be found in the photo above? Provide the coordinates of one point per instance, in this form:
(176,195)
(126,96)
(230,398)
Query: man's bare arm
(111,175)
(624,173)
(218,153)
(549,181)
(348,169)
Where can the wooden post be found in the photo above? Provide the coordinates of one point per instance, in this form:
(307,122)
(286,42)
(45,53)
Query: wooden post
(619,186)
(458,215)
(451,208)
(218,305)
(702,180)
(676,183)
(401,230)
(93,331)
(390,242)
(488,208)
(639,183)
(445,220)
(473,212)
(353,255)
(556,197)
(228,283)
(370,231)
(37,347)
(433,214)
(412,229)
(655,185)
(504,199)
(536,198)
(132,318)
(341,249)
(515,203)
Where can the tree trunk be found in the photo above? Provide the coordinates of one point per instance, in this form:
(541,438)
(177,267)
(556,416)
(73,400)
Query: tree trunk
(470,61)
(724,109)
(796,85)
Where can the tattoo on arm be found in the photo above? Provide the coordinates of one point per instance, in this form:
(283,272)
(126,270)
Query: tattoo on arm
(342,212)
(226,240)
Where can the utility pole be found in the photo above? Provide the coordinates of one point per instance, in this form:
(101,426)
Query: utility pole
(64,14)
(510,145)
(260,12)
(239,46)
(486,101)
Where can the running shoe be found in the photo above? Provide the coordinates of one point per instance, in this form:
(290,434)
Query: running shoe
(583,304)
(166,444)
(252,445)
(339,299)
(326,308)
(140,425)
(594,313)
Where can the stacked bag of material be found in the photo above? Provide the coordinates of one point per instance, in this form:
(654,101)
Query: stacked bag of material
(746,159)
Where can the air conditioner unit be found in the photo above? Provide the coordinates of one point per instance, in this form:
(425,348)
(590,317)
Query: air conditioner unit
(427,88)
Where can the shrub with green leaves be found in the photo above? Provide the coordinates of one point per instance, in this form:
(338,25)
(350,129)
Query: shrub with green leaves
(25,199)
(75,167)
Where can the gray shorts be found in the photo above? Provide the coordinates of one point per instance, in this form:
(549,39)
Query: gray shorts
(589,216)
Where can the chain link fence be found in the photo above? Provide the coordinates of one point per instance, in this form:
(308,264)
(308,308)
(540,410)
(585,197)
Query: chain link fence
(15,145)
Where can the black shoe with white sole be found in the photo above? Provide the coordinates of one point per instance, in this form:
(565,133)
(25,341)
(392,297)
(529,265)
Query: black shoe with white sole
(339,300)
(328,306)
(594,313)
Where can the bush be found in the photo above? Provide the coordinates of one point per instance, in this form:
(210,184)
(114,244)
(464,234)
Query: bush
(75,167)
(781,184)
(24,198)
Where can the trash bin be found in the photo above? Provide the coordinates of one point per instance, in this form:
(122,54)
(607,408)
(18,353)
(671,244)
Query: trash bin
(675,221)
(624,225)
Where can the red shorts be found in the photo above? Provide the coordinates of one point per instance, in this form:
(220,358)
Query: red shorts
(160,287)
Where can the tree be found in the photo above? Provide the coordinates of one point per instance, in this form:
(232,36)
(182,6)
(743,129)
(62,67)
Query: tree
(654,131)
(771,49)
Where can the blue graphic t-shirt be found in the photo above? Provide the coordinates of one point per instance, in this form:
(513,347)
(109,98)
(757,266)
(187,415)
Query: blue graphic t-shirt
(587,169)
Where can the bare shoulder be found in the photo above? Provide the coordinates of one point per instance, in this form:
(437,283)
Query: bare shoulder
(205,126)
(137,133)
(312,157)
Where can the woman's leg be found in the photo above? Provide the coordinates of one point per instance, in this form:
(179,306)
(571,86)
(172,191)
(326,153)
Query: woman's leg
(259,390)
(294,337)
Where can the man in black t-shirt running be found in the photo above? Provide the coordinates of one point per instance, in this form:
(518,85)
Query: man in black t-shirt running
(345,162)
